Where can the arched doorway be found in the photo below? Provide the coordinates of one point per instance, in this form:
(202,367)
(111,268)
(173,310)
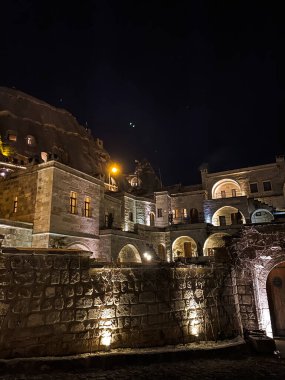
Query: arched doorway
(151,219)
(161,252)
(129,254)
(226,216)
(275,287)
(215,243)
(194,215)
(184,246)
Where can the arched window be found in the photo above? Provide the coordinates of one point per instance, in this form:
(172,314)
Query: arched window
(30,140)
(261,216)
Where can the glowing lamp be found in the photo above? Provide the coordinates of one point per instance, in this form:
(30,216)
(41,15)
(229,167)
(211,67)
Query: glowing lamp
(147,256)
(106,339)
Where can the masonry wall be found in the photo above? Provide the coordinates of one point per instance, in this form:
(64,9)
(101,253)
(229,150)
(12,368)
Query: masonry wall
(53,304)
(16,234)
(23,186)
(188,201)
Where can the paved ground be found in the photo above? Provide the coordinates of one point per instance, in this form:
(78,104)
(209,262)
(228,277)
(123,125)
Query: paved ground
(229,365)
(250,368)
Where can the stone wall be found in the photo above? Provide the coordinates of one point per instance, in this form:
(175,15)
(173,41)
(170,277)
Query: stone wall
(16,234)
(54,304)
(23,186)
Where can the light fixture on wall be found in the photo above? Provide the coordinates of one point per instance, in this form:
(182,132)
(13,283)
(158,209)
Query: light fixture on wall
(147,256)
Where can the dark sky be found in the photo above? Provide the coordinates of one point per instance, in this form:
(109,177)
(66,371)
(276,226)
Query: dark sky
(201,81)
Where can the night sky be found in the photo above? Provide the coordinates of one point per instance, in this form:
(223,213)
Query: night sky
(198,81)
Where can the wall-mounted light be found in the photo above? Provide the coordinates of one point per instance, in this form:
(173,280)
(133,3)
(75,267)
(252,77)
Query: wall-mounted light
(147,256)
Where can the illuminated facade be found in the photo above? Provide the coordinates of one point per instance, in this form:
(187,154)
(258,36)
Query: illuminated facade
(50,200)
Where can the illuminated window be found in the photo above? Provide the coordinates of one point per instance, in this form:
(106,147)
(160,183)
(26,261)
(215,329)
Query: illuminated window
(253,187)
(234,193)
(30,140)
(12,137)
(15,204)
(87,208)
(159,212)
(223,194)
(267,186)
(73,202)
(175,213)
(184,212)
(131,216)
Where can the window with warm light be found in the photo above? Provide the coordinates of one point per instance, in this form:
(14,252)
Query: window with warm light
(12,137)
(175,213)
(87,207)
(73,202)
(15,205)
(30,140)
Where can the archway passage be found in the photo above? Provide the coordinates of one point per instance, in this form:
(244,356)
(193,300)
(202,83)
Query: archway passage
(275,287)
(226,216)
(215,243)
(184,246)
(129,254)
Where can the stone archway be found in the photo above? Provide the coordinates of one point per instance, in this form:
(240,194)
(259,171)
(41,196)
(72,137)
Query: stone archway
(184,246)
(227,215)
(275,286)
(261,273)
(214,243)
(129,254)
(78,246)
(226,188)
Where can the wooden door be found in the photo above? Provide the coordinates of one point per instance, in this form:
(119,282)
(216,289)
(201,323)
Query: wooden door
(276,298)
(187,249)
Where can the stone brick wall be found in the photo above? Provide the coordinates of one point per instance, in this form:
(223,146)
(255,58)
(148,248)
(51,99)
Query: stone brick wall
(188,201)
(23,186)
(16,234)
(54,304)
(246,299)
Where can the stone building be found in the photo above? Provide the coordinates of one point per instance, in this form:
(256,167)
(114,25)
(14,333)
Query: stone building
(57,193)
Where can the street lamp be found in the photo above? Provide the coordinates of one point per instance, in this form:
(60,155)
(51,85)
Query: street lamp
(114,169)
